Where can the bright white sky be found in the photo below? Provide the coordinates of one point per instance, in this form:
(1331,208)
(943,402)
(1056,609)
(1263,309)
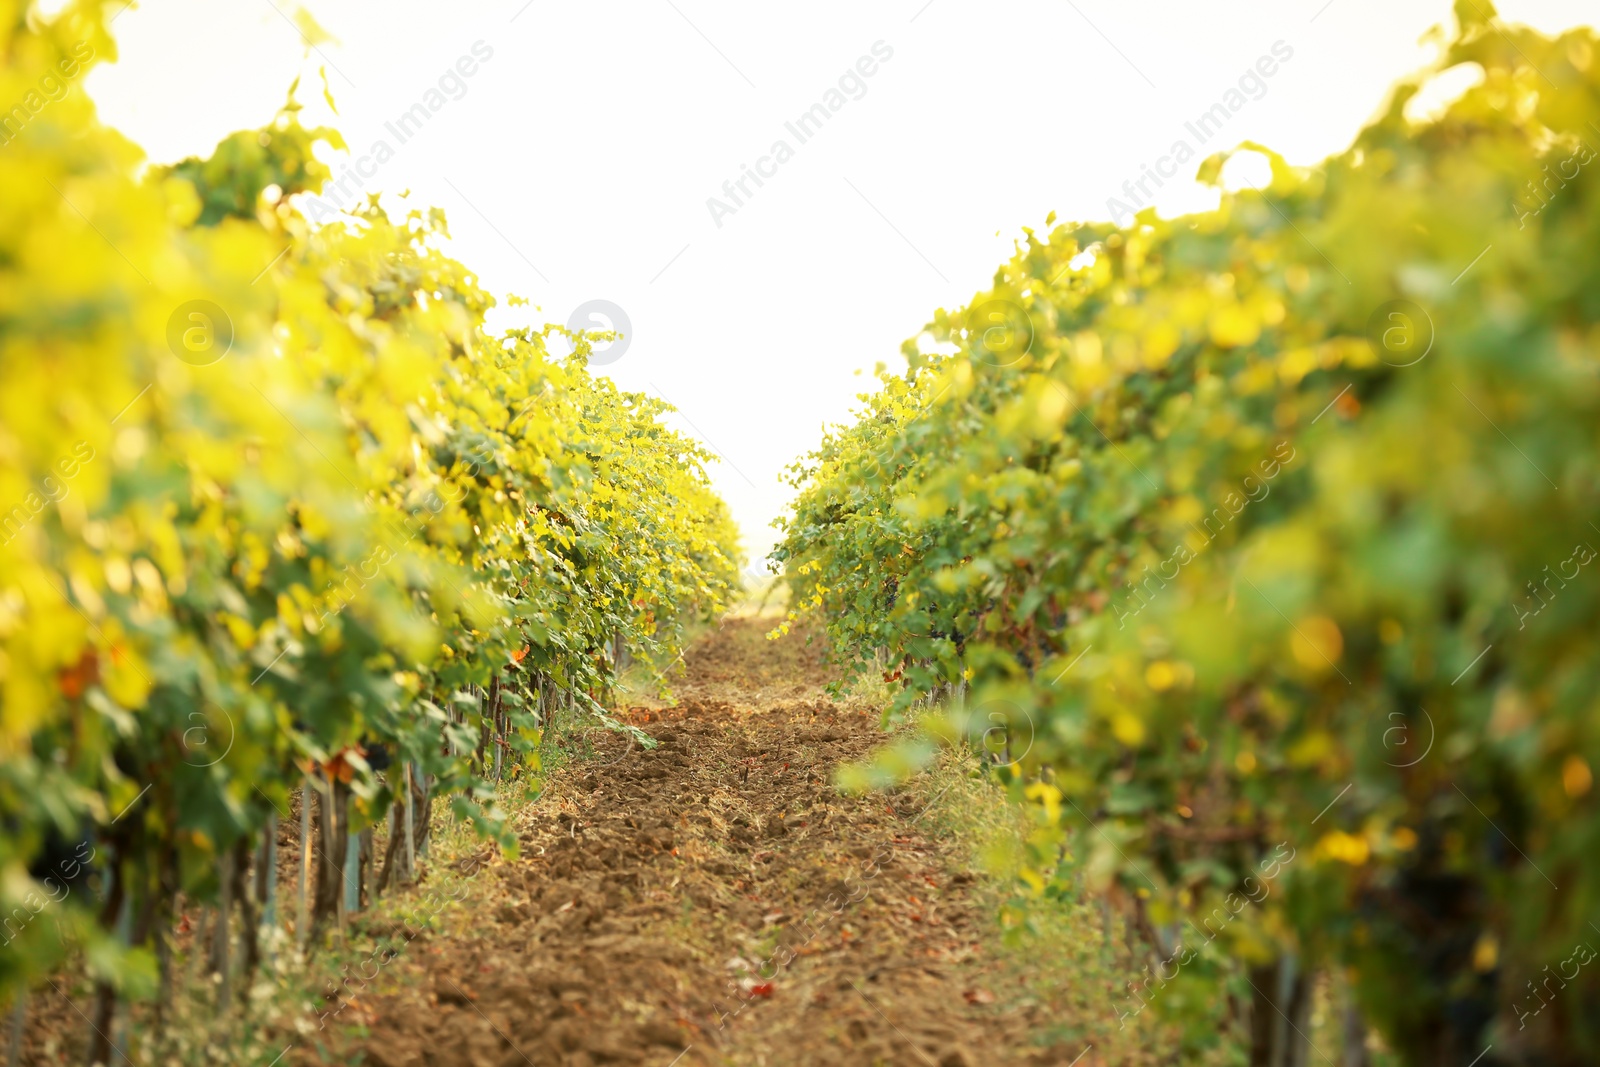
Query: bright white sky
(578,163)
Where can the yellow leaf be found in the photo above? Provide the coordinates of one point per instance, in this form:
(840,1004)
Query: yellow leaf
(1127,728)
(1346,848)
(1316,642)
(1576,777)
(1232,325)
(1160,676)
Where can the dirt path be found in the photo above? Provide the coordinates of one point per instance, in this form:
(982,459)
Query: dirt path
(714,901)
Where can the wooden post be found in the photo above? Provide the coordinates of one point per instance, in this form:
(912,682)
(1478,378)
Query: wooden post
(199,947)
(102,1018)
(352,867)
(499,755)
(330,873)
(497,732)
(19,1019)
(485,709)
(267,885)
(120,1012)
(424,788)
(219,957)
(1355,1029)
(1280,1013)
(368,882)
(163,934)
(302,933)
(411,826)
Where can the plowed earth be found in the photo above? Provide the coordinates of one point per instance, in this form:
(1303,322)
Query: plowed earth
(711,901)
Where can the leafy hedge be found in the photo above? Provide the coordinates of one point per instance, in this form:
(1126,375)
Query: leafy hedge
(274,503)
(1271,525)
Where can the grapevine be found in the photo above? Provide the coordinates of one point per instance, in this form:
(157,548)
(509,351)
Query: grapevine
(282,515)
(1268,528)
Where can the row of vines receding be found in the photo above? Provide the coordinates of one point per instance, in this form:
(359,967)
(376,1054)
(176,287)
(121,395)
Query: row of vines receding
(1256,544)
(282,524)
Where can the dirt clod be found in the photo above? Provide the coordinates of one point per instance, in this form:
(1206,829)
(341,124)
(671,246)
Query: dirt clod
(713,899)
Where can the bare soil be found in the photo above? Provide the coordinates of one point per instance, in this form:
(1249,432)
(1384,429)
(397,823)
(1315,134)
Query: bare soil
(713,901)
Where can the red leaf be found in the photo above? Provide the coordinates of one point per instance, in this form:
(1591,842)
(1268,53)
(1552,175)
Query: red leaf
(761,989)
